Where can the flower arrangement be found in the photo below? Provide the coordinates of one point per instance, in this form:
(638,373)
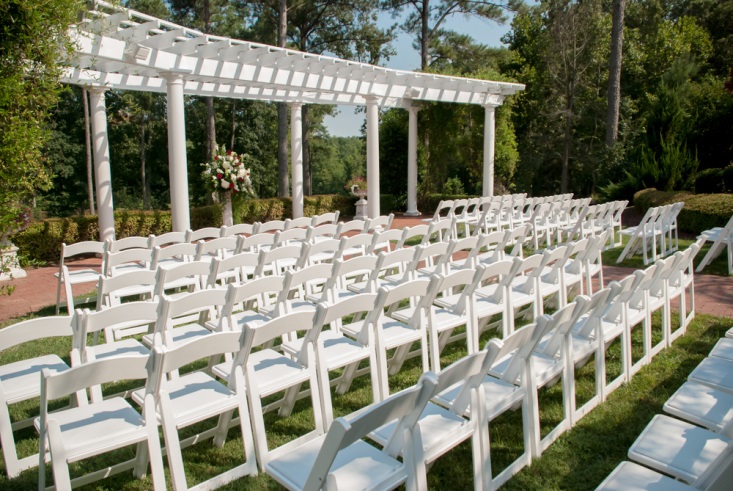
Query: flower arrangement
(356,183)
(227,173)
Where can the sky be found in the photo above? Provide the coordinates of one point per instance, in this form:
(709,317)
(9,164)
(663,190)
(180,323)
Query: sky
(347,123)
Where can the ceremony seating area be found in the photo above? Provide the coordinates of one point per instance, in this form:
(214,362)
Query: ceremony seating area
(235,326)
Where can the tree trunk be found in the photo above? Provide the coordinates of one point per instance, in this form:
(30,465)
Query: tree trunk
(146,195)
(210,128)
(283,184)
(614,72)
(567,141)
(234,122)
(307,191)
(88,136)
(424,34)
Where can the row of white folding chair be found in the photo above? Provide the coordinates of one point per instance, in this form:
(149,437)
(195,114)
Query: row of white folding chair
(67,278)
(696,448)
(595,219)
(657,227)
(722,239)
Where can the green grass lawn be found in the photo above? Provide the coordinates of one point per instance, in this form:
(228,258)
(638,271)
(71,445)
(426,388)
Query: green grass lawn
(580,459)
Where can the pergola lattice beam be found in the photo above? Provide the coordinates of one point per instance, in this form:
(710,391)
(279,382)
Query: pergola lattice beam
(129,50)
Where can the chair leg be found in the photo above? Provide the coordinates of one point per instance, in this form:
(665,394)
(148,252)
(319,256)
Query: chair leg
(173,449)
(154,453)
(58,295)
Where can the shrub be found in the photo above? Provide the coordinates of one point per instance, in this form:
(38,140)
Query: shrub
(701,211)
(728,179)
(428,204)
(709,181)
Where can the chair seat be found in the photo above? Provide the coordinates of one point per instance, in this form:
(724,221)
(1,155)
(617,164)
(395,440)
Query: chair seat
(701,405)
(629,476)
(714,372)
(82,276)
(439,428)
(338,350)
(123,347)
(445,319)
(21,380)
(275,372)
(485,307)
(723,349)
(356,467)
(544,368)
(677,448)
(398,333)
(181,334)
(96,428)
(195,397)
(499,396)
(133,290)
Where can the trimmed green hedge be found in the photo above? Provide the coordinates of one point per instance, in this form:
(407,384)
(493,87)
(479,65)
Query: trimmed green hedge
(701,211)
(428,204)
(42,240)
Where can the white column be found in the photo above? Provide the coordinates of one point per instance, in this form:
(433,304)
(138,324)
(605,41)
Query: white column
(102,172)
(489,145)
(412,164)
(296,150)
(372,121)
(177,163)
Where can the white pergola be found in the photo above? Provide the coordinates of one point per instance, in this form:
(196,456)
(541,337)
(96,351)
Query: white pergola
(123,49)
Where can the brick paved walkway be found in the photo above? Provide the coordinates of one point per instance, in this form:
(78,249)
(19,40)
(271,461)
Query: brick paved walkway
(713,294)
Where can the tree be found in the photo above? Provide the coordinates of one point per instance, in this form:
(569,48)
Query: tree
(347,30)
(614,72)
(34,39)
(425,19)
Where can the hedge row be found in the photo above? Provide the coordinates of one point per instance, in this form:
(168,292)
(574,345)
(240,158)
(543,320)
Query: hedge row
(701,211)
(42,240)
(715,180)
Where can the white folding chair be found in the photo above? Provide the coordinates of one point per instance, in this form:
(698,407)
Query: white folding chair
(133,242)
(701,405)
(392,334)
(252,302)
(271,226)
(380,223)
(77,433)
(414,234)
(268,372)
(196,397)
(239,229)
(645,233)
(340,459)
(681,284)
(184,318)
(203,234)
(75,276)
(116,263)
(166,239)
(333,350)
(131,285)
(722,239)
(236,269)
(680,449)
(301,222)
(217,248)
(173,255)
(183,278)
(492,296)
(126,319)
(628,476)
(504,393)
(441,429)
(332,217)
(20,379)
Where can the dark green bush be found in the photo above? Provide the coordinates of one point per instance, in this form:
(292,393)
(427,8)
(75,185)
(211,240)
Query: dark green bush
(701,211)
(709,181)
(728,179)
(428,204)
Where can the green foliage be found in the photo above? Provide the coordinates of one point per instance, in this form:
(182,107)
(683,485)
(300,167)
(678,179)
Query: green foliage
(728,179)
(701,211)
(33,39)
(453,186)
(709,181)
